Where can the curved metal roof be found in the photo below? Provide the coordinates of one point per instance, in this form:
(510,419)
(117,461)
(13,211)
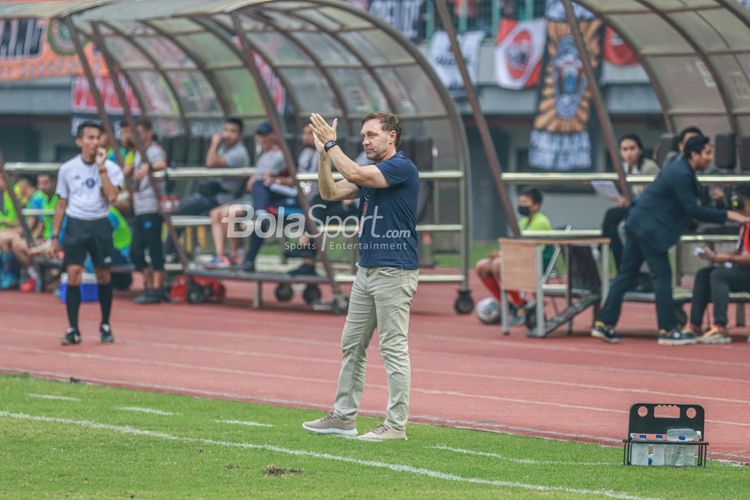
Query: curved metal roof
(186,65)
(696,53)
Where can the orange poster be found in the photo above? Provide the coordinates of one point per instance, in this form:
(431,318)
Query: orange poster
(34,48)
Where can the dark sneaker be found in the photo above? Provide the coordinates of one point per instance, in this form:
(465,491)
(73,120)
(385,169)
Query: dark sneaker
(150,297)
(72,336)
(331,424)
(248,267)
(105,334)
(164,296)
(677,337)
(605,333)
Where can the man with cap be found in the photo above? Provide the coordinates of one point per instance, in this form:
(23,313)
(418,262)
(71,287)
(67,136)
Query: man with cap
(225,151)
(271,186)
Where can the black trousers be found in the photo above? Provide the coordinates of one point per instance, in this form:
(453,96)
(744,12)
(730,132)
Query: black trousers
(612,219)
(713,284)
(635,252)
(147,235)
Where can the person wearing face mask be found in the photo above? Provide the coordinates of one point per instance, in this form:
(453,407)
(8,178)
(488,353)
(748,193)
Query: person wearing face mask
(532,219)
(655,223)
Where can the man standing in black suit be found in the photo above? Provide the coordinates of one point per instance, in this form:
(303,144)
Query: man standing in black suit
(655,223)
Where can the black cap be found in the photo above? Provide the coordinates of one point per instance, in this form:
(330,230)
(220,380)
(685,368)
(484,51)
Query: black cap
(264,128)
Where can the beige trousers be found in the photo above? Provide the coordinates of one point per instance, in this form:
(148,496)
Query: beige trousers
(381,296)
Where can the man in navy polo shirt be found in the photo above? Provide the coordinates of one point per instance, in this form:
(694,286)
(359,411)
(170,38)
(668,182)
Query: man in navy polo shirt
(388,269)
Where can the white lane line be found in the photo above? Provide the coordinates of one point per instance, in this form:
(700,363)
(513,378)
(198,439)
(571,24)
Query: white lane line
(486,426)
(243,422)
(88,424)
(495,359)
(524,461)
(150,411)
(435,392)
(417,370)
(52,397)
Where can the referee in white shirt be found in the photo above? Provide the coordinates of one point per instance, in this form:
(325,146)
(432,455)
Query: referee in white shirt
(86,185)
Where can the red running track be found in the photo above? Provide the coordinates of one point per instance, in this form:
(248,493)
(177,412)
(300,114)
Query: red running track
(464,373)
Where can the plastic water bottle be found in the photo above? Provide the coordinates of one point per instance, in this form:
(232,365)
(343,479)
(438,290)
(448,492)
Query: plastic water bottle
(658,454)
(681,455)
(639,451)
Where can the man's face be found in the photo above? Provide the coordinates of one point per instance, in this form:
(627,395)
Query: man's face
(629,151)
(45,184)
(701,161)
(231,133)
(375,140)
(88,143)
(526,201)
(26,187)
(145,134)
(307,136)
(266,142)
(687,137)
(103,140)
(126,137)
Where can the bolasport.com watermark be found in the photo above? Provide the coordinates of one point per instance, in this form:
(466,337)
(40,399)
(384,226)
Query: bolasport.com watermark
(244,220)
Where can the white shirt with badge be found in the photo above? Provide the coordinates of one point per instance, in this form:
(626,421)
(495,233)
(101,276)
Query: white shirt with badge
(80,184)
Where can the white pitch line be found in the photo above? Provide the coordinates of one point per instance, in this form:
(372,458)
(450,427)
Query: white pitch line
(243,422)
(445,476)
(524,461)
(150,411)
(52,397)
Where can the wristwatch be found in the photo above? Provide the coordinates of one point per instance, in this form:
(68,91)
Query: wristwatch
(330,144)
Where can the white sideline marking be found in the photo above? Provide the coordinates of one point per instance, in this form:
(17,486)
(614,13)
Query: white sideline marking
(126,429)
(52,397)
(243,422)
(525,461)
(490,427)
(151,411)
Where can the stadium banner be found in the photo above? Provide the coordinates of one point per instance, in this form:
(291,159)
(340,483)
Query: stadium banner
(401,14)
(518,53)
(616,51)
(82,99)
(444,64)
(33,48)
(560,139)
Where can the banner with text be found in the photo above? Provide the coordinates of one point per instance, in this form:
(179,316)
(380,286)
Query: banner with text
(444,64)
(560,139)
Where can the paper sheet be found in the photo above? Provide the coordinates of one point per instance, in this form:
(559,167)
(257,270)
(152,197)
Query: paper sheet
(608,189)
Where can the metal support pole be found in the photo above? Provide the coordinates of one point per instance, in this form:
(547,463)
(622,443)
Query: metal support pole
(140,147)
(278,124)
(596,96)
(541,327)
(484,132)
(98,100)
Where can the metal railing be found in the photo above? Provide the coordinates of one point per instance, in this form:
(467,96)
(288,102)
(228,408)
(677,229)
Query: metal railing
(480,15)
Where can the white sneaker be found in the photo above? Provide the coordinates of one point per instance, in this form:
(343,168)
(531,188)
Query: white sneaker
(331,424)
(383,433)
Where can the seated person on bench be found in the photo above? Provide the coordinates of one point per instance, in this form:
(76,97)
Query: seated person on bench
(40,226)
(714,283)
(10,229)
(226,151)
(261,191)
(322,210)
(488,269)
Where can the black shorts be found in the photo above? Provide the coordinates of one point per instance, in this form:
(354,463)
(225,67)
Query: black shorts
(92,237)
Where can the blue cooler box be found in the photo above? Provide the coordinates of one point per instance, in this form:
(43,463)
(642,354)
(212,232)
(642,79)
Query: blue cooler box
(89,288)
